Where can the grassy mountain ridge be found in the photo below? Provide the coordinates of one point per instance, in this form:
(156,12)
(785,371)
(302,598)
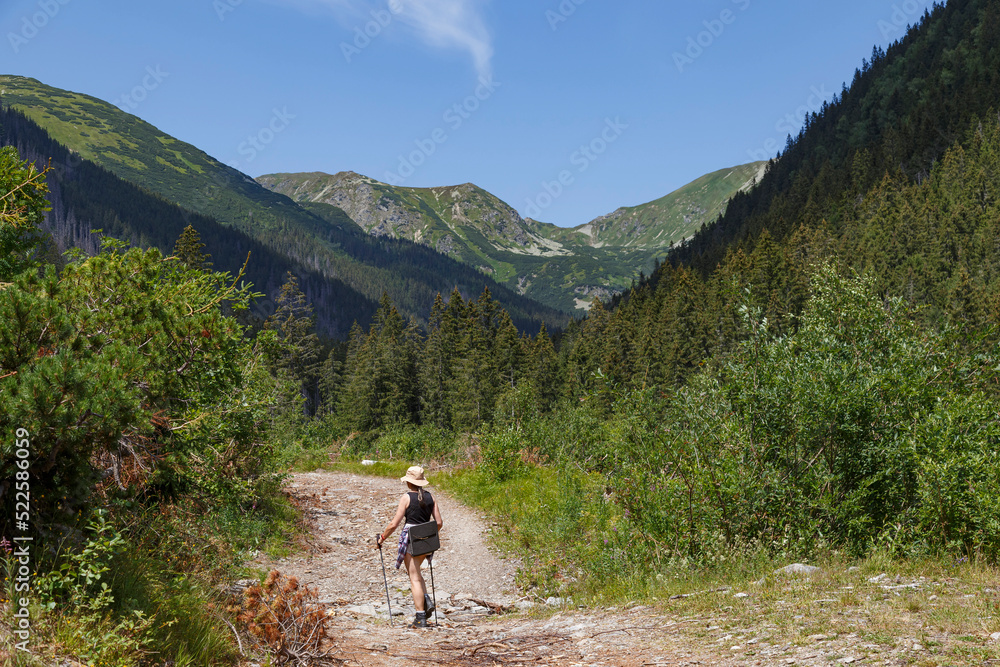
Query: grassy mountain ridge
(676,216)
(328,244)
(85,197)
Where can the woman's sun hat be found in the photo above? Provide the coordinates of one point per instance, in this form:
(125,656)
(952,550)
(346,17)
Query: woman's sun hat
(415,476)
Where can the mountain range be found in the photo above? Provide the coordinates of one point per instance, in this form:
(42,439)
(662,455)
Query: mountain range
(350,238)
(562,267)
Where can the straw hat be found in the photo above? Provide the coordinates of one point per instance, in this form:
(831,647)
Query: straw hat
(415,476)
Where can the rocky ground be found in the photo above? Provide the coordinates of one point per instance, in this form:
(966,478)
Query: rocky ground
(792,618)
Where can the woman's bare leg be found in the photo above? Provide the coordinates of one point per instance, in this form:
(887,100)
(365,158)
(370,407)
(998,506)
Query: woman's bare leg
(417,586)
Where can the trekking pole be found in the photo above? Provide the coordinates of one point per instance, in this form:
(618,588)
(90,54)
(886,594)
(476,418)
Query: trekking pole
(386,579)
(434,594)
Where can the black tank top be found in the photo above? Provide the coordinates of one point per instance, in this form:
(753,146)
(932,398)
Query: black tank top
(417,514)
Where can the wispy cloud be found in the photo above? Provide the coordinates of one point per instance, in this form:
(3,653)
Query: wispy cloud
(446,24)
(451,24)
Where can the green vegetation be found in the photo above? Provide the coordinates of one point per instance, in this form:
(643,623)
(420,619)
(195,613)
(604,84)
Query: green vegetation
(862,433)
(826,391)
(144,412)
(669,220)
(21,211)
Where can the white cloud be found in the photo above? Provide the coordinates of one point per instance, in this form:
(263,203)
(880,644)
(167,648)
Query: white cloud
(447,24)
(451,24)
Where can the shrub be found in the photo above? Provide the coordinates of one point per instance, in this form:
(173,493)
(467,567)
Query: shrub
(285,620)
(500,453)
(957,454)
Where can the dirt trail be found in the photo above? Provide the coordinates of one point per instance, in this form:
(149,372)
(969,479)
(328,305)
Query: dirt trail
(473,584)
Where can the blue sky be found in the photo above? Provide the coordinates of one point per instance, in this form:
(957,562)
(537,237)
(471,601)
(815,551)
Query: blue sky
(622,101)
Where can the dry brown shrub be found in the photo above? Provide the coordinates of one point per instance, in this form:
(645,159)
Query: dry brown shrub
(285,619)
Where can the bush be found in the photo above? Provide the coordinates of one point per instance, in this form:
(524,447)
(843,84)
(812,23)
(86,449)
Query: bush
(957,454)
(500,453)
(858,430)
(284,619)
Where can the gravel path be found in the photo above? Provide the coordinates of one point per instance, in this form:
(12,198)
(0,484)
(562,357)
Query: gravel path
(346,511)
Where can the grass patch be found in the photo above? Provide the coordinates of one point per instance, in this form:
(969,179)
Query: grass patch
(379,469)
(575,542)
(562,525)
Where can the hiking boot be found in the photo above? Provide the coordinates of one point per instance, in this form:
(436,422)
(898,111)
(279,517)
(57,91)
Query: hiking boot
(429,606)
(420,620)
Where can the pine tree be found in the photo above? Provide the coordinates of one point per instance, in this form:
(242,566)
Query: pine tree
(381,381)
(543,368)
(188,250)
(473,376)
(435,369)
(299,355)
(508,353)
(356,400)
(22,210)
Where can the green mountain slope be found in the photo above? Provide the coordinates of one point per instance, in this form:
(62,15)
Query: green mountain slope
(449,219)
(674,217)
(905,106)
(565,268)
(327,243)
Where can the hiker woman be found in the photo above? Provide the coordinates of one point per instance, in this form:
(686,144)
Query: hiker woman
(416,506)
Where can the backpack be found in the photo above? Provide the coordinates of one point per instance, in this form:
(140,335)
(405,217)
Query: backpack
(423,538)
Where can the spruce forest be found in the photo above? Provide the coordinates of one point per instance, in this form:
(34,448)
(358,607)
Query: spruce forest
(815,375)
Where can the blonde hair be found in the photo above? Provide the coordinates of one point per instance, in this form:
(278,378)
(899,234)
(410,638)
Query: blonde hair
(418,489)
